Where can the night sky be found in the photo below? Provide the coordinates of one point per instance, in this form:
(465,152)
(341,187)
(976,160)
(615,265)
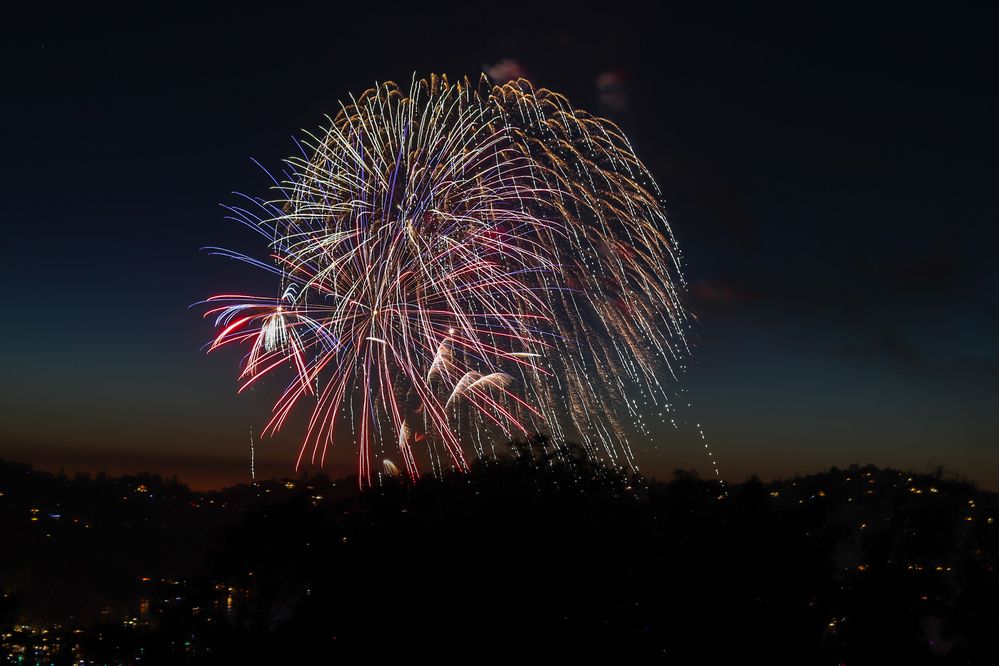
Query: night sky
(830,173)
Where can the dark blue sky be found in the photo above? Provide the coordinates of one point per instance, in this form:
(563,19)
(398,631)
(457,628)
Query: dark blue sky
(830,173)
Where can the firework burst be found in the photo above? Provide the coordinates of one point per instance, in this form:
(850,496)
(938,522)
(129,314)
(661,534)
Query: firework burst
(458,263)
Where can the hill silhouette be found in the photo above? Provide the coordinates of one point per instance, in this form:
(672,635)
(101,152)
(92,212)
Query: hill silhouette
(527,558)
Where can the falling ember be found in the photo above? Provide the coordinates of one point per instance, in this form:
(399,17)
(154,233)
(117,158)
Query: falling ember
(390,469)
(457,263)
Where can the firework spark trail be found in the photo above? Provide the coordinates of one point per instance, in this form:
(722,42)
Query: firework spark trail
(458,260)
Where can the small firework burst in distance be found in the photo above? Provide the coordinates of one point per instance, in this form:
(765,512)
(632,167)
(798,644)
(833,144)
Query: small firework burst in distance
(458,263)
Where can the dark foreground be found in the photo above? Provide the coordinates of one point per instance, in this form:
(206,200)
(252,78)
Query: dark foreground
(516,562)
